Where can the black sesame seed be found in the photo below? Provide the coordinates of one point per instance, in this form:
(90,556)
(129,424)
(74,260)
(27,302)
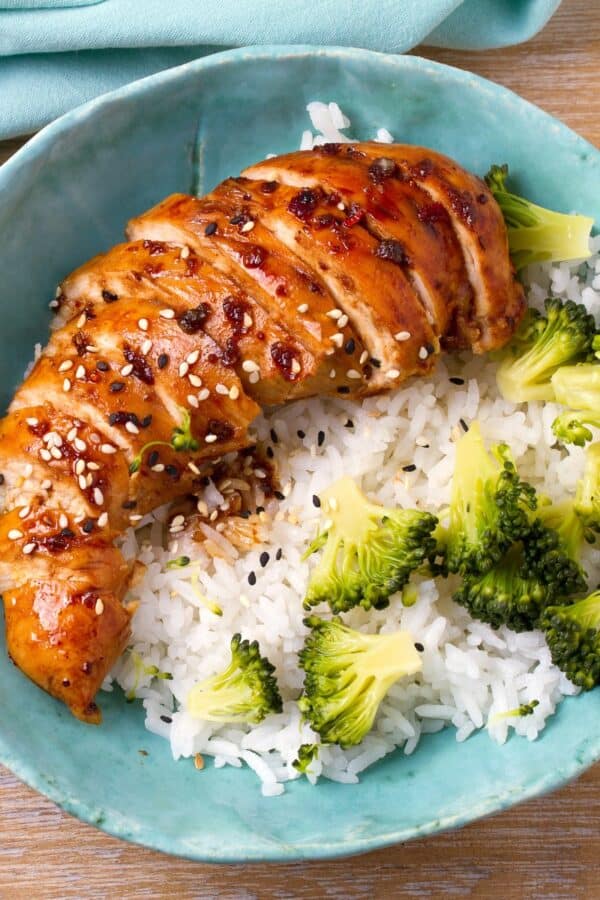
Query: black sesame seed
(279,554)
(270,452)
(252,578)
(456,380)
(419,646)
(173,471)
(88,526)
(350,346)
(240,219)
(1,479)
(430,348)
(117,386)
(166,719)
(409,468)
(205,481)
(129,504)
(375,362)
(349,423)
(163,360)
(463,425)
(320,438)
(316,501)
(153,458)
(301,434)
(102,366)
(278,495)
(264,558)
(343,389)
(274,436)
(67,533)
(109,296)
(259,509)
(146,421)
(210,229)
(245,514)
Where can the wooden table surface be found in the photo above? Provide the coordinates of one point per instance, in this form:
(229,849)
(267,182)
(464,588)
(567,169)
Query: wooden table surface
(546,848)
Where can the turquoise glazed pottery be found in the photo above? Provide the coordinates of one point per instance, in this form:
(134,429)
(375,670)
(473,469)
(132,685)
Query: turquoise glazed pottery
(65,197)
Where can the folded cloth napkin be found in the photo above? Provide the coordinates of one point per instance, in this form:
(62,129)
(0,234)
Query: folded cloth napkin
(55,54)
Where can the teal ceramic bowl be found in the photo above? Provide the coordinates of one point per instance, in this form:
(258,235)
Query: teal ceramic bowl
(65,197)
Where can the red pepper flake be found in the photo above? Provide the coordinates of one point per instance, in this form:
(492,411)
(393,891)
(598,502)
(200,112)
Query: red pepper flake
(155,248)
(393,251)
(141,366)
(283,355)
(303,204)
(254,257)
(381,169)
(356,214)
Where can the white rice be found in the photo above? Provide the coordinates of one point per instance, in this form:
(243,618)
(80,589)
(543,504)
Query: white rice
(470,672)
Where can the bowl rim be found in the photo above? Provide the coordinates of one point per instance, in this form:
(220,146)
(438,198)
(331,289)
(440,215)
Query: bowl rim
(114,824)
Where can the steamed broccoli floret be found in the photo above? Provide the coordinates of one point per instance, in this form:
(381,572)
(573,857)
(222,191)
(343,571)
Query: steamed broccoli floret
(307,753)
(536,234)
(573,636)
(563,336)
(587,499)
(488,506)
(347,676)
(245,691)
(577,387)
(369,551)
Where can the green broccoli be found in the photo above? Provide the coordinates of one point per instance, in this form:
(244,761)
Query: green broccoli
(369,551)
(140,670)
(577,387)
(246,691)
(563,336)
(536,234)
(573,636)
(347,674)
(587,498)
(488,508)
(307,753)
(181,440)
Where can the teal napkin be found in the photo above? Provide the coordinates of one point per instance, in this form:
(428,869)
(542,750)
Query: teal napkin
(55,54)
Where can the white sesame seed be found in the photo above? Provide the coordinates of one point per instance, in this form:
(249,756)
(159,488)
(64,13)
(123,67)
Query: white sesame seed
(234,392)
(65,366)
(334,313)
(222,389)
(55,453)
(107,448)
(247,226)
(58,290)
(80,373)
(146,347)
(423,354)
(27,470)
(63,522)
(296,367)
(364,357)
(213,515)
(175,529)
(185,252)
(45,454)
(260,473)
(167,313)
(210,438)
(392,374)
(183,369)
(131,428)
(248,321)
(203,394)
(352,373)
(194,468)
(202,508)
(342,321)
(193,401)
(253,377)
(194,380)
(143,324)
(127,370)
(337,339)
(32,421)
(89,479)
(159,467)
(66,385)
(91,348)
(82,482)
(99,607)
(28,548)
(402,336)
(80,445)
(102,520)
(72,434)
(24,512)
(332,373)
(80,467)
(193,357)
(46,484)
(177,520)
(303,308)
(14,534)
(135,518)
(341,206)
(93,466)
(98,496)
(250,366)
(81,320)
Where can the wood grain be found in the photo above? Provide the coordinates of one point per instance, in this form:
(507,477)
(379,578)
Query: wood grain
(546,848)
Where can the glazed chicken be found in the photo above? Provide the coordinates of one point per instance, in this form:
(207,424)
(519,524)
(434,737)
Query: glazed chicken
(343,270)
